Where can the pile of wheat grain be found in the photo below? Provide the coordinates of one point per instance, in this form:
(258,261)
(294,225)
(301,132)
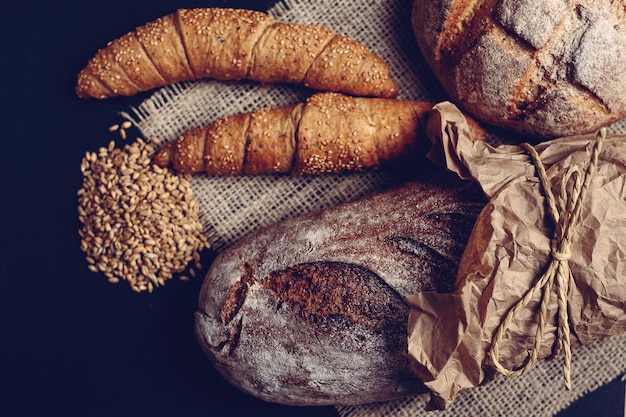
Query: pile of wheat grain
(139,221)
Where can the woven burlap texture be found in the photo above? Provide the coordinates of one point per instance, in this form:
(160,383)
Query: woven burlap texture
(231,207)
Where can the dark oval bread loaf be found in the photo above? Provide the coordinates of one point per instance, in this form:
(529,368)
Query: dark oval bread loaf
(312,311)
(548,68)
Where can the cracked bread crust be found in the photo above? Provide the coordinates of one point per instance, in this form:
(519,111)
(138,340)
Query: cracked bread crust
(312,311)
(540,68)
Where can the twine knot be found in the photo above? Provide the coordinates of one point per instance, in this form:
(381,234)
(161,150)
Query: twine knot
(564,211)
(560,251)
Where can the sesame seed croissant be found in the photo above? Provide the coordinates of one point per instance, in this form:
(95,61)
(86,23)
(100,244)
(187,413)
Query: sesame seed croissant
(329,133)
(233,44)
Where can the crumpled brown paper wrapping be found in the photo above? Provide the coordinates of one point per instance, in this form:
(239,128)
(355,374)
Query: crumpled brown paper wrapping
(450,335)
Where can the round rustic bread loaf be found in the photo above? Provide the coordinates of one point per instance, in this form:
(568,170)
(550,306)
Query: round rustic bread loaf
(546,68)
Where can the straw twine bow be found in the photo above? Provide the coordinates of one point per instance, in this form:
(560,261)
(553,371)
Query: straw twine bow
(564,212)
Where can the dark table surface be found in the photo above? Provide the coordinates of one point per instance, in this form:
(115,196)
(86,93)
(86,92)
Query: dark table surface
(70,343)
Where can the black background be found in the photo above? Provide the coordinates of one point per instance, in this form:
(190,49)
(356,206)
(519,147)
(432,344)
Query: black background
(70,343)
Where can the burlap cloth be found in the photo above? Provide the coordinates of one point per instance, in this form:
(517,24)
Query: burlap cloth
(234,206)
